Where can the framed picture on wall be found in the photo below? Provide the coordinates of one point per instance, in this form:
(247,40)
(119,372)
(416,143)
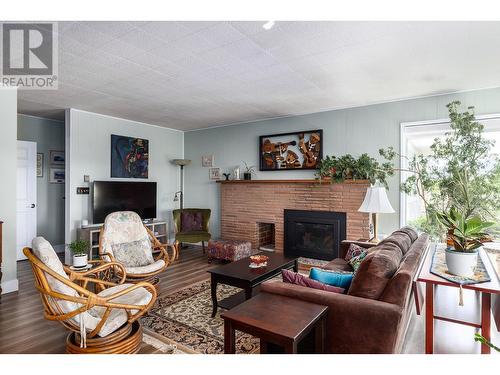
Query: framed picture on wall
(39,165)
(129,157)
(214,173)
(57,175)
(57,157)
(207,161)
(286,151)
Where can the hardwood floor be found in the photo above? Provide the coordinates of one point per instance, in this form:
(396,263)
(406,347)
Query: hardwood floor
(23,328)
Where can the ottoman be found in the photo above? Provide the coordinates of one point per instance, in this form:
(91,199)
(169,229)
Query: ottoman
(230,250)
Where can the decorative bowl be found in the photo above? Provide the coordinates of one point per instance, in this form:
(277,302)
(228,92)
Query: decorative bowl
(257,261)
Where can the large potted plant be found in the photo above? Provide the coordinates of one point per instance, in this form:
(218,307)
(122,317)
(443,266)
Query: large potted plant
(461,170)
(465,236)
(79,249)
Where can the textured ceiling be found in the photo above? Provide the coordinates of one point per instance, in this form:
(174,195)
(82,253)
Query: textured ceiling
(192,75)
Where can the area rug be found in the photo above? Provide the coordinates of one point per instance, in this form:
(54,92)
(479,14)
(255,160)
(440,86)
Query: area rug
(305,264)
(160,344)
(184,319)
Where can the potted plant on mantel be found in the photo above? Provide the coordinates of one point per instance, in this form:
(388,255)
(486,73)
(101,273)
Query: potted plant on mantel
(465,236)
(346,167)
(79,249)
(247,175)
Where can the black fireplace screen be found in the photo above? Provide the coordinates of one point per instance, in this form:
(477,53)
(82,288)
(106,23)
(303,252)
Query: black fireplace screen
(314,234)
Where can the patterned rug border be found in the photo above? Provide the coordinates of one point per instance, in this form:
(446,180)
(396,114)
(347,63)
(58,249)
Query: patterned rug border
(159,342)
(206,340)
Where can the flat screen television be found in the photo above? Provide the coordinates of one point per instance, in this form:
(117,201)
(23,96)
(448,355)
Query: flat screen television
(112,196)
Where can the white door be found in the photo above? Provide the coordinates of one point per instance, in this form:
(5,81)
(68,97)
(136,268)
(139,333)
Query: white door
(26,195)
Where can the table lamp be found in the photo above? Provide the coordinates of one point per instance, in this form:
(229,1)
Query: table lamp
(375,202)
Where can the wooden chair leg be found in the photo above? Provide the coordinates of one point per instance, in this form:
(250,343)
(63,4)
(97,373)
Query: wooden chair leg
(177,247)
(203,246)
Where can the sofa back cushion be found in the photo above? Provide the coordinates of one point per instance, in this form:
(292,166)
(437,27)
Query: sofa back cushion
(398,289)
(375,272)
(400,239)
(412,233)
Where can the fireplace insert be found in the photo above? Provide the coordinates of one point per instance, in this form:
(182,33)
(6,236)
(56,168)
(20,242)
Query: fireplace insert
(314,234)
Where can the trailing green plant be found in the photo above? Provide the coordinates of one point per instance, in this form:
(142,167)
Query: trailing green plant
(467,233)
(461,171)
(482,340)
(79,247)
(346,167)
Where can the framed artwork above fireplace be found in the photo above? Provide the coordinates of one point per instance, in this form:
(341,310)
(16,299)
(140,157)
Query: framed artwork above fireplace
(286,151)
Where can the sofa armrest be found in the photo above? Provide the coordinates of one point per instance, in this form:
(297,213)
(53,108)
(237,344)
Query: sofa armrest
(344,246)
(354,324)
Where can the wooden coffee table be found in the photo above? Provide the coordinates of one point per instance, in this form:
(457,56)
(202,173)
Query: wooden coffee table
(240,275)
(277,320)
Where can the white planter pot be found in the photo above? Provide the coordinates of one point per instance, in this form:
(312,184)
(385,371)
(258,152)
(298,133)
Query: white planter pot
(80,260)
(461,264)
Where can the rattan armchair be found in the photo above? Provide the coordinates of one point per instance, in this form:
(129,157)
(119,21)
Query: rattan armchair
(124,231)
(97,307)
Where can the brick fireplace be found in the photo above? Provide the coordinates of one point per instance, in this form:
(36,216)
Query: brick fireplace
(247,205)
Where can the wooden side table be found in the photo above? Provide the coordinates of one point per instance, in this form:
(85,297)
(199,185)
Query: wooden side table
(486,289)
(278,320)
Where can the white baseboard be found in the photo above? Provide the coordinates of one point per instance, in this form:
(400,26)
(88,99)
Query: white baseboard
(10,286)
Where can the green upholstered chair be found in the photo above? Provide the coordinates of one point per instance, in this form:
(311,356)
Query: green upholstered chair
(187,234)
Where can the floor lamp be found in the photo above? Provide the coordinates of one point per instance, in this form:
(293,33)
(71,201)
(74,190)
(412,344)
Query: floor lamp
(180,194)
(376,202)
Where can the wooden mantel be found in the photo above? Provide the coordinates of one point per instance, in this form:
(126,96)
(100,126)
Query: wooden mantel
(309,181)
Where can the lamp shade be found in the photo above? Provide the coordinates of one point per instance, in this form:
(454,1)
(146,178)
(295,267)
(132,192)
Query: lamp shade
(376,201)
(181,162)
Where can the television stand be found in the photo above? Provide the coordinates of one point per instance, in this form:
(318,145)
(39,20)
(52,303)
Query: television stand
(91,234)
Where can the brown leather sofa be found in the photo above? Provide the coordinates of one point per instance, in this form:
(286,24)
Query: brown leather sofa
(374,314)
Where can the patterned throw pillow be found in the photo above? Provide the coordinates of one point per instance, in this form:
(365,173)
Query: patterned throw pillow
(134,254)
(298,279)
(191,221)
(354,251)
(356,261)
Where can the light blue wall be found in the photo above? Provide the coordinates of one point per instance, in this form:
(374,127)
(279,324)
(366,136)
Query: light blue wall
(48,135)
(89,153)
(8,172)
(354,131)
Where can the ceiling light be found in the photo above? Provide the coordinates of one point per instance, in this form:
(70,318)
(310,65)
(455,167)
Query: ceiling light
(268,25)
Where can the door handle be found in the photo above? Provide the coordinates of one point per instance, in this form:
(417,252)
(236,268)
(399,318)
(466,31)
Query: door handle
(33,205)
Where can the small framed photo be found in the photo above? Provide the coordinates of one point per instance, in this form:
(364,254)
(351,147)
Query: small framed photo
(39,165)
(57,176)
(57,157)
(214,173)
(207,161)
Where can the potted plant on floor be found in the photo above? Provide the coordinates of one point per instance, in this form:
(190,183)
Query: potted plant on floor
(79,249)
(465,236)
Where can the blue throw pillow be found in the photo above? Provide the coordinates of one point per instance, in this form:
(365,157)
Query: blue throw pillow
(338,279)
